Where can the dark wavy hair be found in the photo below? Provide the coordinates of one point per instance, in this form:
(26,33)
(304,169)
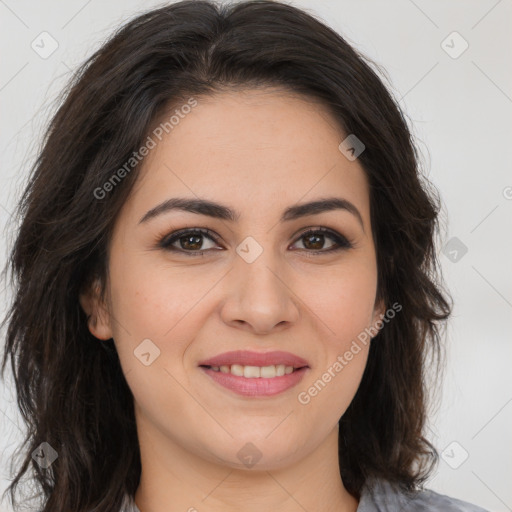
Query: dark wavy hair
(71,390)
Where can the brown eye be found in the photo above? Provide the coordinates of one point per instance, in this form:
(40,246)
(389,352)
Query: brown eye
(191,241)
(314,240)
(187,241)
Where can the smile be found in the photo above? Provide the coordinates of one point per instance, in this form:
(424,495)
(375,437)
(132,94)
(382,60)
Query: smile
(256,386)
(254,372)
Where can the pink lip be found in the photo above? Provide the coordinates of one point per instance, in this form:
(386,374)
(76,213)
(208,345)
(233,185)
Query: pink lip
(249,358)
(257,386)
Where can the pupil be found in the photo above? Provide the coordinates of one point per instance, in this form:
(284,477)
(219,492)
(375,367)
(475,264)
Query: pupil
(191,237)
(317,244)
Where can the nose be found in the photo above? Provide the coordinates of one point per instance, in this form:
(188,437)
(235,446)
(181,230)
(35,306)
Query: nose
(259,296)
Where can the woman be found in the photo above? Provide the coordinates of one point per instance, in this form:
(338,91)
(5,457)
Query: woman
(226,280)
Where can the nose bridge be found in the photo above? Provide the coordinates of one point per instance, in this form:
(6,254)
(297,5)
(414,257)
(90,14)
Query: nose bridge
(259,295)
(257,265)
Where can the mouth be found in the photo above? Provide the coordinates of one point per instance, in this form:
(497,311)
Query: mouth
(256,374)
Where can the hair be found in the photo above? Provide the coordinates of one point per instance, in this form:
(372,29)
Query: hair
(71,389)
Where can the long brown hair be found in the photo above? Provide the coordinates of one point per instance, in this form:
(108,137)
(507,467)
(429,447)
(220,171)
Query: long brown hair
(71,390)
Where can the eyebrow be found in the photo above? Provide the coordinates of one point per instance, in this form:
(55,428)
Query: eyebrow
(220,211)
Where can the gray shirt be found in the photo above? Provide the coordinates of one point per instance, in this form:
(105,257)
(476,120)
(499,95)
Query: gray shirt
(381,496)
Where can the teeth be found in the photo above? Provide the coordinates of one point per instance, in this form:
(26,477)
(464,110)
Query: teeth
(237,370)
(253,372)
(281,370)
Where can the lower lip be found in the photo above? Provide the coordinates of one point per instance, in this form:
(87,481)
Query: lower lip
(258,386)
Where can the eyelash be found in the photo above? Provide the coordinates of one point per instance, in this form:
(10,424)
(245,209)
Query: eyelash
(167,241)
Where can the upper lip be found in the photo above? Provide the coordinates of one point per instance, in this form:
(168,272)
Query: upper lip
(249,358)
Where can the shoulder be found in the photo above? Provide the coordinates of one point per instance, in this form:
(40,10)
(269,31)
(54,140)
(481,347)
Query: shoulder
(382,496)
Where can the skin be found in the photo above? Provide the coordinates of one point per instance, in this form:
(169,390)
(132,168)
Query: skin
(257,151)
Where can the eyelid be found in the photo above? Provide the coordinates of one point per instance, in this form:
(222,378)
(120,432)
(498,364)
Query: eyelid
(166,240)
(341,241)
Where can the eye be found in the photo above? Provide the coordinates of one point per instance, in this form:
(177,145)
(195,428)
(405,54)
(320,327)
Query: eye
(314,239)
(191,241)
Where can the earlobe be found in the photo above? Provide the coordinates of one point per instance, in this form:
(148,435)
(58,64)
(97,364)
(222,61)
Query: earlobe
(98,318)
(379,312)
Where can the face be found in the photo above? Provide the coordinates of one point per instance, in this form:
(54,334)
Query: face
(200,298)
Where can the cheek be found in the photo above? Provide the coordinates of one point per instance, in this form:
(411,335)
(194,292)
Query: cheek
(150,303)
(343,304)
(153,298)
(148,307)
(344,301)
(332,389)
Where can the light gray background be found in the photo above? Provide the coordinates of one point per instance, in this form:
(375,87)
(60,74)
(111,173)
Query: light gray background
(461,110)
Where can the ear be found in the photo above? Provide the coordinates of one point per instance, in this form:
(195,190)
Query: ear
(98,317)
(378,312)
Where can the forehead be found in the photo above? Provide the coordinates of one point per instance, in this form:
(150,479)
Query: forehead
(253,149)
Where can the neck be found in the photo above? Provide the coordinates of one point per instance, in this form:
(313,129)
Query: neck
(173,479)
